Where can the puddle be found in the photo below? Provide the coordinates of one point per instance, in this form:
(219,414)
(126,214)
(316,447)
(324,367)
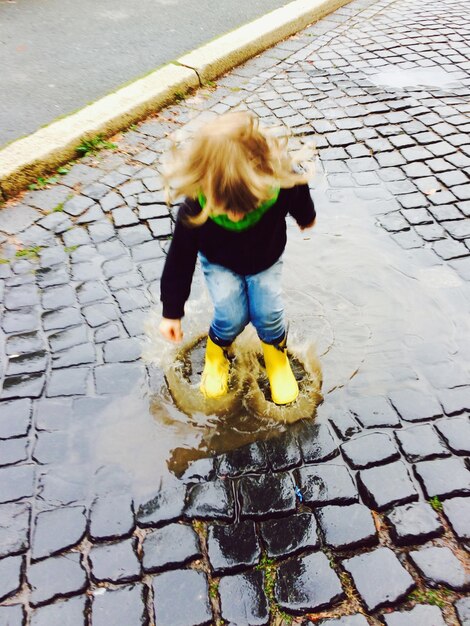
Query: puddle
(434,77)
(377,317)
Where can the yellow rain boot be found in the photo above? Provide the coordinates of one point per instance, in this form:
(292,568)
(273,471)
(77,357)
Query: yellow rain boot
(214,380)
(284,387)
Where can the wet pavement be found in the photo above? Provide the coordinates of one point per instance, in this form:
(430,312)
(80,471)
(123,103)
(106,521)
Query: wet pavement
(122,504)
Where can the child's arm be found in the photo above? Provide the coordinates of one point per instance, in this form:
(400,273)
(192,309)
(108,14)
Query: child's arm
(177,277)
(301,206)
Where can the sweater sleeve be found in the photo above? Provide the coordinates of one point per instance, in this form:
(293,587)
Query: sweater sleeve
(177,276)
(301,205)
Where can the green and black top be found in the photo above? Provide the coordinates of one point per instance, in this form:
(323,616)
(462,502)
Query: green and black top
(246,247)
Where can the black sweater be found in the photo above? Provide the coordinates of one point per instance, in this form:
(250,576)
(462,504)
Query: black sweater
(244,252)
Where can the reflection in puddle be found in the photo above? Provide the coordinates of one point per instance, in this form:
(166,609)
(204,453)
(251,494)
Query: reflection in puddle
(396,78)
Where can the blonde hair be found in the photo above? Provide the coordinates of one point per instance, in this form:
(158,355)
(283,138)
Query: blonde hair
(233,163)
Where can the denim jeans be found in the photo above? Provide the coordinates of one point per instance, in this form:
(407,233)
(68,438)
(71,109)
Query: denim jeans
(237,299)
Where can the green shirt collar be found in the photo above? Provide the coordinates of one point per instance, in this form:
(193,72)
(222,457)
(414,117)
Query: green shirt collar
(248,221)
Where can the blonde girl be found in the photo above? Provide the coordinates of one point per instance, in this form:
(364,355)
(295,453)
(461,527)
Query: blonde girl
(239,184)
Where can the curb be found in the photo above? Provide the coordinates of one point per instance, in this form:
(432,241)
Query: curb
(26,159)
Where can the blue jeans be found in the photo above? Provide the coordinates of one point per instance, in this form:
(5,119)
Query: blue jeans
(237,299)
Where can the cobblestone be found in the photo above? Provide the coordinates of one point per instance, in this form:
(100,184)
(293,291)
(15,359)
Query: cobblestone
(232,548)
(71,611)
(56,577)
(78,284)
(440,566)
(289,535)
(307,584)
(421,615)
(414,523)
(379,577)
(243,599)
(347,527)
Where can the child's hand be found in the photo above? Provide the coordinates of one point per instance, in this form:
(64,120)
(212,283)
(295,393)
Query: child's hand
(171,329)
(312,223)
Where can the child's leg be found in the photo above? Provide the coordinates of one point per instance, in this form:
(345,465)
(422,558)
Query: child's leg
(265,304)
(228,295)
(267,315)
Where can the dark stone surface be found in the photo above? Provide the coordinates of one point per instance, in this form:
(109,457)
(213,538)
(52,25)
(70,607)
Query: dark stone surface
(420,443)
(316,441)
(125,605)
(56,530)
(344,424)
(243,600)
(440,566)
(421,615)
(122,350)
(167,505)
(233,548)
(213,500)
(327,484)
(267,495)
(283,451)
(115,562)
(26,363)
(23,386)
(170,546)
(13,450)
(249,458)
(24,295)
(456,433)
(56,577)
(307,584)
(118,378)
(14,528)
(369,450)
(457,511)
(15,417)
(372,412)
(25,342)
(347,527)
(78,355)
(385,486)
(415,406)
(12,615)
(347,620)
(289,535)
(70,612)
(199,471)
(414,523)
(111,516)
(462,607)
(16,481)
(455,401)
(92,291)
(444,478)
(72,381)
(181,599)
(379,577)
(11,573)
(68,338)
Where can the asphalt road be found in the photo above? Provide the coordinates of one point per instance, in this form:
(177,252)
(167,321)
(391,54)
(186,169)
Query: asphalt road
(58,55)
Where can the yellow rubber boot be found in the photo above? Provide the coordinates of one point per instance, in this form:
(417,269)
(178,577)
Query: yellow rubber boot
(214,380)
(284,387)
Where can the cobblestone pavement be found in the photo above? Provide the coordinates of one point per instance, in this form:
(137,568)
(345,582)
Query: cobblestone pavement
(359,517)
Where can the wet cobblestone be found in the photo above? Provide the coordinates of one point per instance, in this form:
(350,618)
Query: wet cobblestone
(329,518)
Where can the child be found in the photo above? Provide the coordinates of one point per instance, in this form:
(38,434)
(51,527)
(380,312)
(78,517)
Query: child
(239,185)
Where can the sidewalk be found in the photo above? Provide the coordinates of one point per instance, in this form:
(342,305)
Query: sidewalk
(116,508)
